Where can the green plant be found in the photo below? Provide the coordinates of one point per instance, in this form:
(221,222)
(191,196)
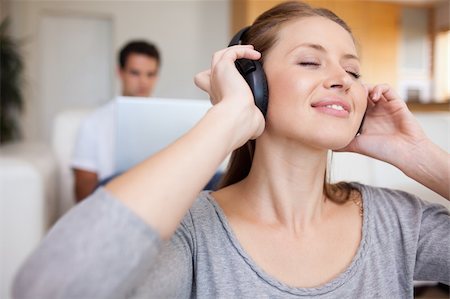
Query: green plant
(11,77)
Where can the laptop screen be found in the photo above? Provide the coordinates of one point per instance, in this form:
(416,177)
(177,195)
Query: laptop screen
(147,125)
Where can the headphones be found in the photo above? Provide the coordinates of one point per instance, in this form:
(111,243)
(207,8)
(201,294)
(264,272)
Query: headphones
(253,73)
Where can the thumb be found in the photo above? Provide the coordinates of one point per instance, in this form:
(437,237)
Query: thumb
(202,80)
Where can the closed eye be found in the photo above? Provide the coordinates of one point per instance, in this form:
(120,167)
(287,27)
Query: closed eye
(316,64)
(309,64)
(354,74)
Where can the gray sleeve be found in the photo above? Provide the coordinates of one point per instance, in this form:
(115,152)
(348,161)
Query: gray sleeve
(171,275)
(433,250)
(100,249)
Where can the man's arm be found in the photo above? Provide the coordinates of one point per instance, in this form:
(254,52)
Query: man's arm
(85,183)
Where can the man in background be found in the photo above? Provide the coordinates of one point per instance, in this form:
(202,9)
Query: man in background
(93,155)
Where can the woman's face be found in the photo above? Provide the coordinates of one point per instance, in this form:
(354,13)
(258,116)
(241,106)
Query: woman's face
(315,95)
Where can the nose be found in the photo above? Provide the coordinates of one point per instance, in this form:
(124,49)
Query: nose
(338,79)
(144,82)
(143,79)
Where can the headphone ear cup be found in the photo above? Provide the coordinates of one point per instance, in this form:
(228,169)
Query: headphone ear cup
(260,89)
(254,75)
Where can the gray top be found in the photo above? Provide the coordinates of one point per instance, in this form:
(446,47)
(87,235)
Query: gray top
(101,249)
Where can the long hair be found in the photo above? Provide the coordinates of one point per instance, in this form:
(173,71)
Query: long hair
(263,35)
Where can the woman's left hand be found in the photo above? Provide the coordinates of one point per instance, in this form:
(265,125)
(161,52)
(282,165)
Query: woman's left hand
(389,131)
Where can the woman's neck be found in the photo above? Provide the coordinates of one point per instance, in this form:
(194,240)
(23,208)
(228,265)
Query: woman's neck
(285,186)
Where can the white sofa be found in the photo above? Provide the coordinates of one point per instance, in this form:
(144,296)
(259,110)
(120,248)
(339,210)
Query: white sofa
(65,128)
(27,203)
(35,190)
(36,184)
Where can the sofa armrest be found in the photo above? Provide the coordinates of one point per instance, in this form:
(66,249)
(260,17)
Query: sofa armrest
(28,204)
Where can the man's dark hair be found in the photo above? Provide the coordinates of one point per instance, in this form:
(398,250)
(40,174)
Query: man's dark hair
(138,47)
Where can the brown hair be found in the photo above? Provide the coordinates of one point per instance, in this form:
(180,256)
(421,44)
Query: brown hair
(263,35)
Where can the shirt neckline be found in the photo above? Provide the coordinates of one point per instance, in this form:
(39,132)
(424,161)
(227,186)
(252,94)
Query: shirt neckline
(335,283)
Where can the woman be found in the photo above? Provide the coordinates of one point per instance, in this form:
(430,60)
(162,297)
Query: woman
(274,230)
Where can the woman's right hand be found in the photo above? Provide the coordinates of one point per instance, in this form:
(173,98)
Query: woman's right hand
(230,94)
(171,179)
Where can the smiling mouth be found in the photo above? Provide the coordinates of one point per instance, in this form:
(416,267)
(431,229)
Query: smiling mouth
(333,109)
(336,107)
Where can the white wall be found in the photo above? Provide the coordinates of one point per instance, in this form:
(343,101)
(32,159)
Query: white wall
(83,80)
(414,55)
(187,33)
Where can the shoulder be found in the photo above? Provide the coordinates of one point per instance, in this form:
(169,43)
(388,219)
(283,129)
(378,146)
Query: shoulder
(205,220)
(379,196)
(202,223)
(395,205)
(93,138)
(101,114)
(98,122)
(203,212)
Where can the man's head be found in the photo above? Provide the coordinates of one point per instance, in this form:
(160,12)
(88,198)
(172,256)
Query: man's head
(139,63)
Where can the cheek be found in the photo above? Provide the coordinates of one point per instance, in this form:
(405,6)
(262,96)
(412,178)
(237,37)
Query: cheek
(288,91)
(129,80)
(361,102)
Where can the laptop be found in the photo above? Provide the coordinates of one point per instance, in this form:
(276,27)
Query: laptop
(146,125)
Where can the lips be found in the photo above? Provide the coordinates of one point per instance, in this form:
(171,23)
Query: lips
(337,108)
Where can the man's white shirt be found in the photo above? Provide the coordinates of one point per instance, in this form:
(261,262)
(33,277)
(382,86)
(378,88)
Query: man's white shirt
(95,142)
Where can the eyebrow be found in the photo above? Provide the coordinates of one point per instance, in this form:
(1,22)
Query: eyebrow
(322,49)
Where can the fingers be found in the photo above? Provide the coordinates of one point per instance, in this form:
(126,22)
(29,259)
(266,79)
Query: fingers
(223,68)
(235,52)
(383,91)
(202,79)
(229,55)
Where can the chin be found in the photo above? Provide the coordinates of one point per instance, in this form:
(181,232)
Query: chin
(338,144)
(141,95)
(336,147)
(332,142)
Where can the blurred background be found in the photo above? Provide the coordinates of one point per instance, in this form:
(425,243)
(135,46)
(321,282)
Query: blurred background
(69,48)
(59,62)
